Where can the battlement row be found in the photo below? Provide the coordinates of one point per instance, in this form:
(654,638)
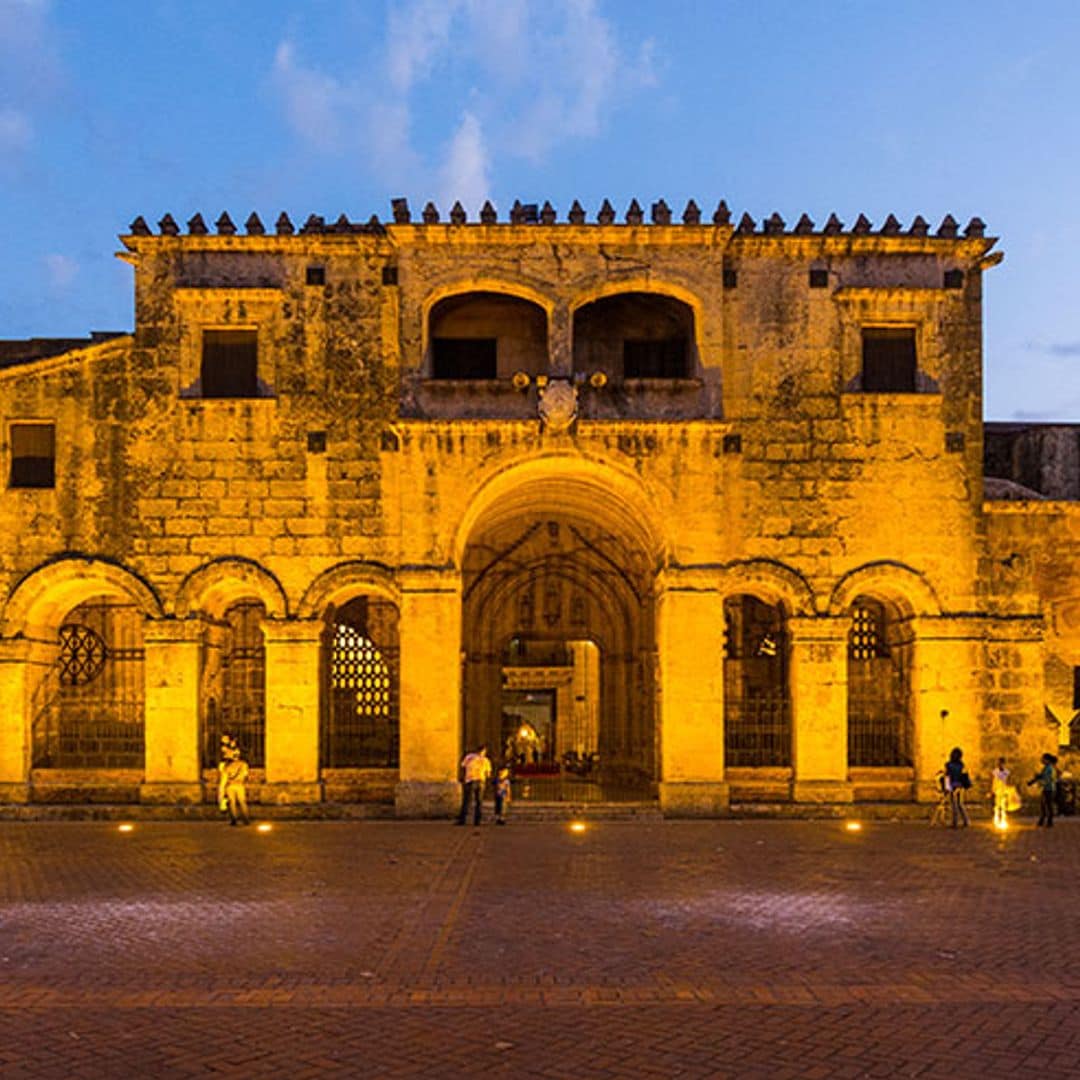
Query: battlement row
(532,214)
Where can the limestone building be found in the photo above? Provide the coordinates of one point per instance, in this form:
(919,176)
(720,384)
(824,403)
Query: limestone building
(683,510)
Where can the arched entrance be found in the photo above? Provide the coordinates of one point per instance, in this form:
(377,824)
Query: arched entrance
(558,644)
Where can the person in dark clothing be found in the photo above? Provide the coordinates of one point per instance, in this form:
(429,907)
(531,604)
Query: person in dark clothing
(1046,778)
(957,781)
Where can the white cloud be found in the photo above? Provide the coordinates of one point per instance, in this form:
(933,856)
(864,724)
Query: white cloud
(312,100)
(416,35)
(464,175)
(532,74)
(61,269)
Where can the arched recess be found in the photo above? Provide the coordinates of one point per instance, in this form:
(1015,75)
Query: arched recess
(338,583)
(479,333)
(636,334)
(217,585)
(360,670)
(559,559)
(39,602)
(87,700)
(771,581)
(908,589)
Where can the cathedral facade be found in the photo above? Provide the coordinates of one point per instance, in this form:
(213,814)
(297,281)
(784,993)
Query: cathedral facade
(668,509)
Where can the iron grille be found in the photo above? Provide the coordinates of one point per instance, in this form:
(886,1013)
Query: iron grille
(757,704)
(88,709)
(239,705)
(879,714)
(360,726)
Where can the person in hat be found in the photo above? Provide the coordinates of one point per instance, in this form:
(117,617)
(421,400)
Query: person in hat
(232,782)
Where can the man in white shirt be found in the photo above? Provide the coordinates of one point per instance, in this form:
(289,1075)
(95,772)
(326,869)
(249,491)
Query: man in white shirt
(476,768)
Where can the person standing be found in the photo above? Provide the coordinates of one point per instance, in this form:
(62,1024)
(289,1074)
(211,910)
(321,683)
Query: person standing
(1046,778)
(232,782)
(476,768)
(502,795)
(958,781)
(999,789)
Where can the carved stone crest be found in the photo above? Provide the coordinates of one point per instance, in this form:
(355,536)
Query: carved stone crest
(558,405)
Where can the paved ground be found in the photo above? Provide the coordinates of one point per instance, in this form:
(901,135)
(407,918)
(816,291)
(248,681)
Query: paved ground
(762,949)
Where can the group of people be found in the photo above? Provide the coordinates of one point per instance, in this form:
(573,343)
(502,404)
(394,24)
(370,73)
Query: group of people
(954,780)
(476,771)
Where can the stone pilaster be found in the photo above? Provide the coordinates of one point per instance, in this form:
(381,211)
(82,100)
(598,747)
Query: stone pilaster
(430,636)
(293,649)
(690,639)
(818,675)
(173,658)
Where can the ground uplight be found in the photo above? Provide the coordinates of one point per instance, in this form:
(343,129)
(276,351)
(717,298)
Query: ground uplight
(577,826)
(264,826)
(125,827)
(853,826)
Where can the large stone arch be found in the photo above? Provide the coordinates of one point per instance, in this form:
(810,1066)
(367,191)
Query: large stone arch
(890,581)
(213,587)
(38,603)
(770,581)
(345,581)
(579,484)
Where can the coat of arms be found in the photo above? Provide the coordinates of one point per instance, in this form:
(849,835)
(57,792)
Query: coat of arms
(558,405)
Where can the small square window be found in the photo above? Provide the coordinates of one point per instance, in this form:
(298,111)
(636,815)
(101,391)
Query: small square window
(316,442)
(33,456)
(730,279)
(733,444)
(316,275)
(230,364)
(819,279)
(888,360)
(954,279)
(389,275)
(954,442)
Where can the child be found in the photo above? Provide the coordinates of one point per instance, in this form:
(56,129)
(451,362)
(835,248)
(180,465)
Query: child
(232,777)
(1000,790)
(1046,778)
(940,815)
(502,795)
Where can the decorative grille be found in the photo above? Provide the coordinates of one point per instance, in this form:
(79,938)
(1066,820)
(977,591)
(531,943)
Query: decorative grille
(757,705)
(360,724)
(88,708)
(82,655)
(879,713)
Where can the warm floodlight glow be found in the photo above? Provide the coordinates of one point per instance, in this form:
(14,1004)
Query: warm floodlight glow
(577,826)
(124,828)
(853,826)
(1001,825)
(264,826)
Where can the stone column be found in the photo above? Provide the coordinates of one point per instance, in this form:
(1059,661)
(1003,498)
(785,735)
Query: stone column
(819,708)
(430,638)
(690,639)
(293,649)
(171,711)
(19,674)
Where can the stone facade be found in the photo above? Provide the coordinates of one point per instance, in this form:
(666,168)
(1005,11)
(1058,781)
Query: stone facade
(341,486)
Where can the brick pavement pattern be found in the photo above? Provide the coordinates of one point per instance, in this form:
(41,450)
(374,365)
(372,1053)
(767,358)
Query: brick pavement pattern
(713,949)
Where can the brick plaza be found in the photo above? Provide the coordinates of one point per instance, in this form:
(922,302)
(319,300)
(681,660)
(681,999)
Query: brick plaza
(646,949)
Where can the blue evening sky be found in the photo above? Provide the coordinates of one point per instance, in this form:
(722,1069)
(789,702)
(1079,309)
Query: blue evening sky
(113,108)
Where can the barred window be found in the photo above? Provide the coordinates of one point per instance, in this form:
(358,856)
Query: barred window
(357,665)
(866,640)
(82,655)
